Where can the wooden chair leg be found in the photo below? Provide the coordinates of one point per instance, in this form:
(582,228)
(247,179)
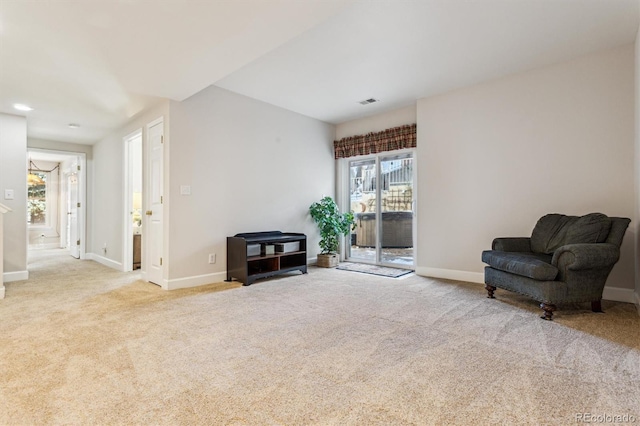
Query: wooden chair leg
(596,306)
(490,289)
(548,309)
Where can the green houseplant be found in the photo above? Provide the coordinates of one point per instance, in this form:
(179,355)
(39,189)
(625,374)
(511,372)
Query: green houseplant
(332,224)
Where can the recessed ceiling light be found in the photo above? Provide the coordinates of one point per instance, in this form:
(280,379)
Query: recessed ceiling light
(22,107)
(74,125)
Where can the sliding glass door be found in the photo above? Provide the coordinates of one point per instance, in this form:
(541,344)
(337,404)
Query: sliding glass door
(381,196)
(363,189)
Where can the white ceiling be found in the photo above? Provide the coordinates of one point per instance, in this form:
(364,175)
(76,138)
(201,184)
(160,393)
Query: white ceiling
(98,63)
(401,51)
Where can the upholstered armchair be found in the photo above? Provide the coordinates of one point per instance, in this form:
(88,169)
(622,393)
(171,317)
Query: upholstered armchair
(567,259)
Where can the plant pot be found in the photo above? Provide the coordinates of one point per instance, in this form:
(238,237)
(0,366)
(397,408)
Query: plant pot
(327,260)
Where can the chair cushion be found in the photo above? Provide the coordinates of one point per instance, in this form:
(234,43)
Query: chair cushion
(546,230)
(556,230)
(589,229)
(532,265)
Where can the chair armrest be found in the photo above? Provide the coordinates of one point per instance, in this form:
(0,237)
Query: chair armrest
(520,244)
(585,256)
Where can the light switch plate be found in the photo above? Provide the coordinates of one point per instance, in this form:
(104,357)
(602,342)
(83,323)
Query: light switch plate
(8,194)
(185,190)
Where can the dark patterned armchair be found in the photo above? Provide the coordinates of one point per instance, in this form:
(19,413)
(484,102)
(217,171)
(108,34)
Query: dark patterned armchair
(567,259)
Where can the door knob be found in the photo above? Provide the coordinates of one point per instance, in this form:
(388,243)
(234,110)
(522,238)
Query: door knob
(149,212)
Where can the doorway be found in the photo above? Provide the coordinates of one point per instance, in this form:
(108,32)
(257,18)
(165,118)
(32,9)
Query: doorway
(56,200)
(381,191)
(133,230)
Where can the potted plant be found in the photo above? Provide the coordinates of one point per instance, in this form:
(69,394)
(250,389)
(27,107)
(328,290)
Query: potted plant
(332,224)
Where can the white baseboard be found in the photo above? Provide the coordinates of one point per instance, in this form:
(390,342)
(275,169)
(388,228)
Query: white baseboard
(194,281)
(206,279)
(1,292)
(637,301)
(451,274)
(9,277)
(104,261)
(616,294)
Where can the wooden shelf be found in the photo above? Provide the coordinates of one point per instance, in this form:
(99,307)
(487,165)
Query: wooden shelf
(267,256)
(248,269)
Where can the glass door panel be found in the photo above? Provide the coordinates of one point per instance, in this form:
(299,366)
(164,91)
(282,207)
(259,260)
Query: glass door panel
(363,201)
(396,210)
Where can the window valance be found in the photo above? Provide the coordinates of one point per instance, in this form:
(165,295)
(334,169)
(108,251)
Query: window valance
(387,140)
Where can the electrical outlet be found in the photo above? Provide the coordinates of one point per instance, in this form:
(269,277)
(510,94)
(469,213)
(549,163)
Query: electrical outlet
(212,258)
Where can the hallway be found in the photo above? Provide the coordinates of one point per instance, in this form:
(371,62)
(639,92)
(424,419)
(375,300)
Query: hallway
(54,271)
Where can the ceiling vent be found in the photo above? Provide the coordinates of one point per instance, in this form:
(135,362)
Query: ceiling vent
(369,101)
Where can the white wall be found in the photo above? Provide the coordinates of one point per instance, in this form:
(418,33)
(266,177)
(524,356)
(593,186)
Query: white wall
(13,164)
(106,226)
(495,157)
(60,146)
(251,167)
(377,123)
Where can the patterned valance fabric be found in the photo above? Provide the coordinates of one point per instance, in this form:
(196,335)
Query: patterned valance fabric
(387,140)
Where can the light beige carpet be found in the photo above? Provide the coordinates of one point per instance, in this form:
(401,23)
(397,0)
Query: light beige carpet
(84,344)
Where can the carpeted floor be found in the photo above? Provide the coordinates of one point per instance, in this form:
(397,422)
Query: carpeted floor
(84,344)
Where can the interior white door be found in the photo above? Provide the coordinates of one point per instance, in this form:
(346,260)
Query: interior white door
(154,236)
(72,216)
